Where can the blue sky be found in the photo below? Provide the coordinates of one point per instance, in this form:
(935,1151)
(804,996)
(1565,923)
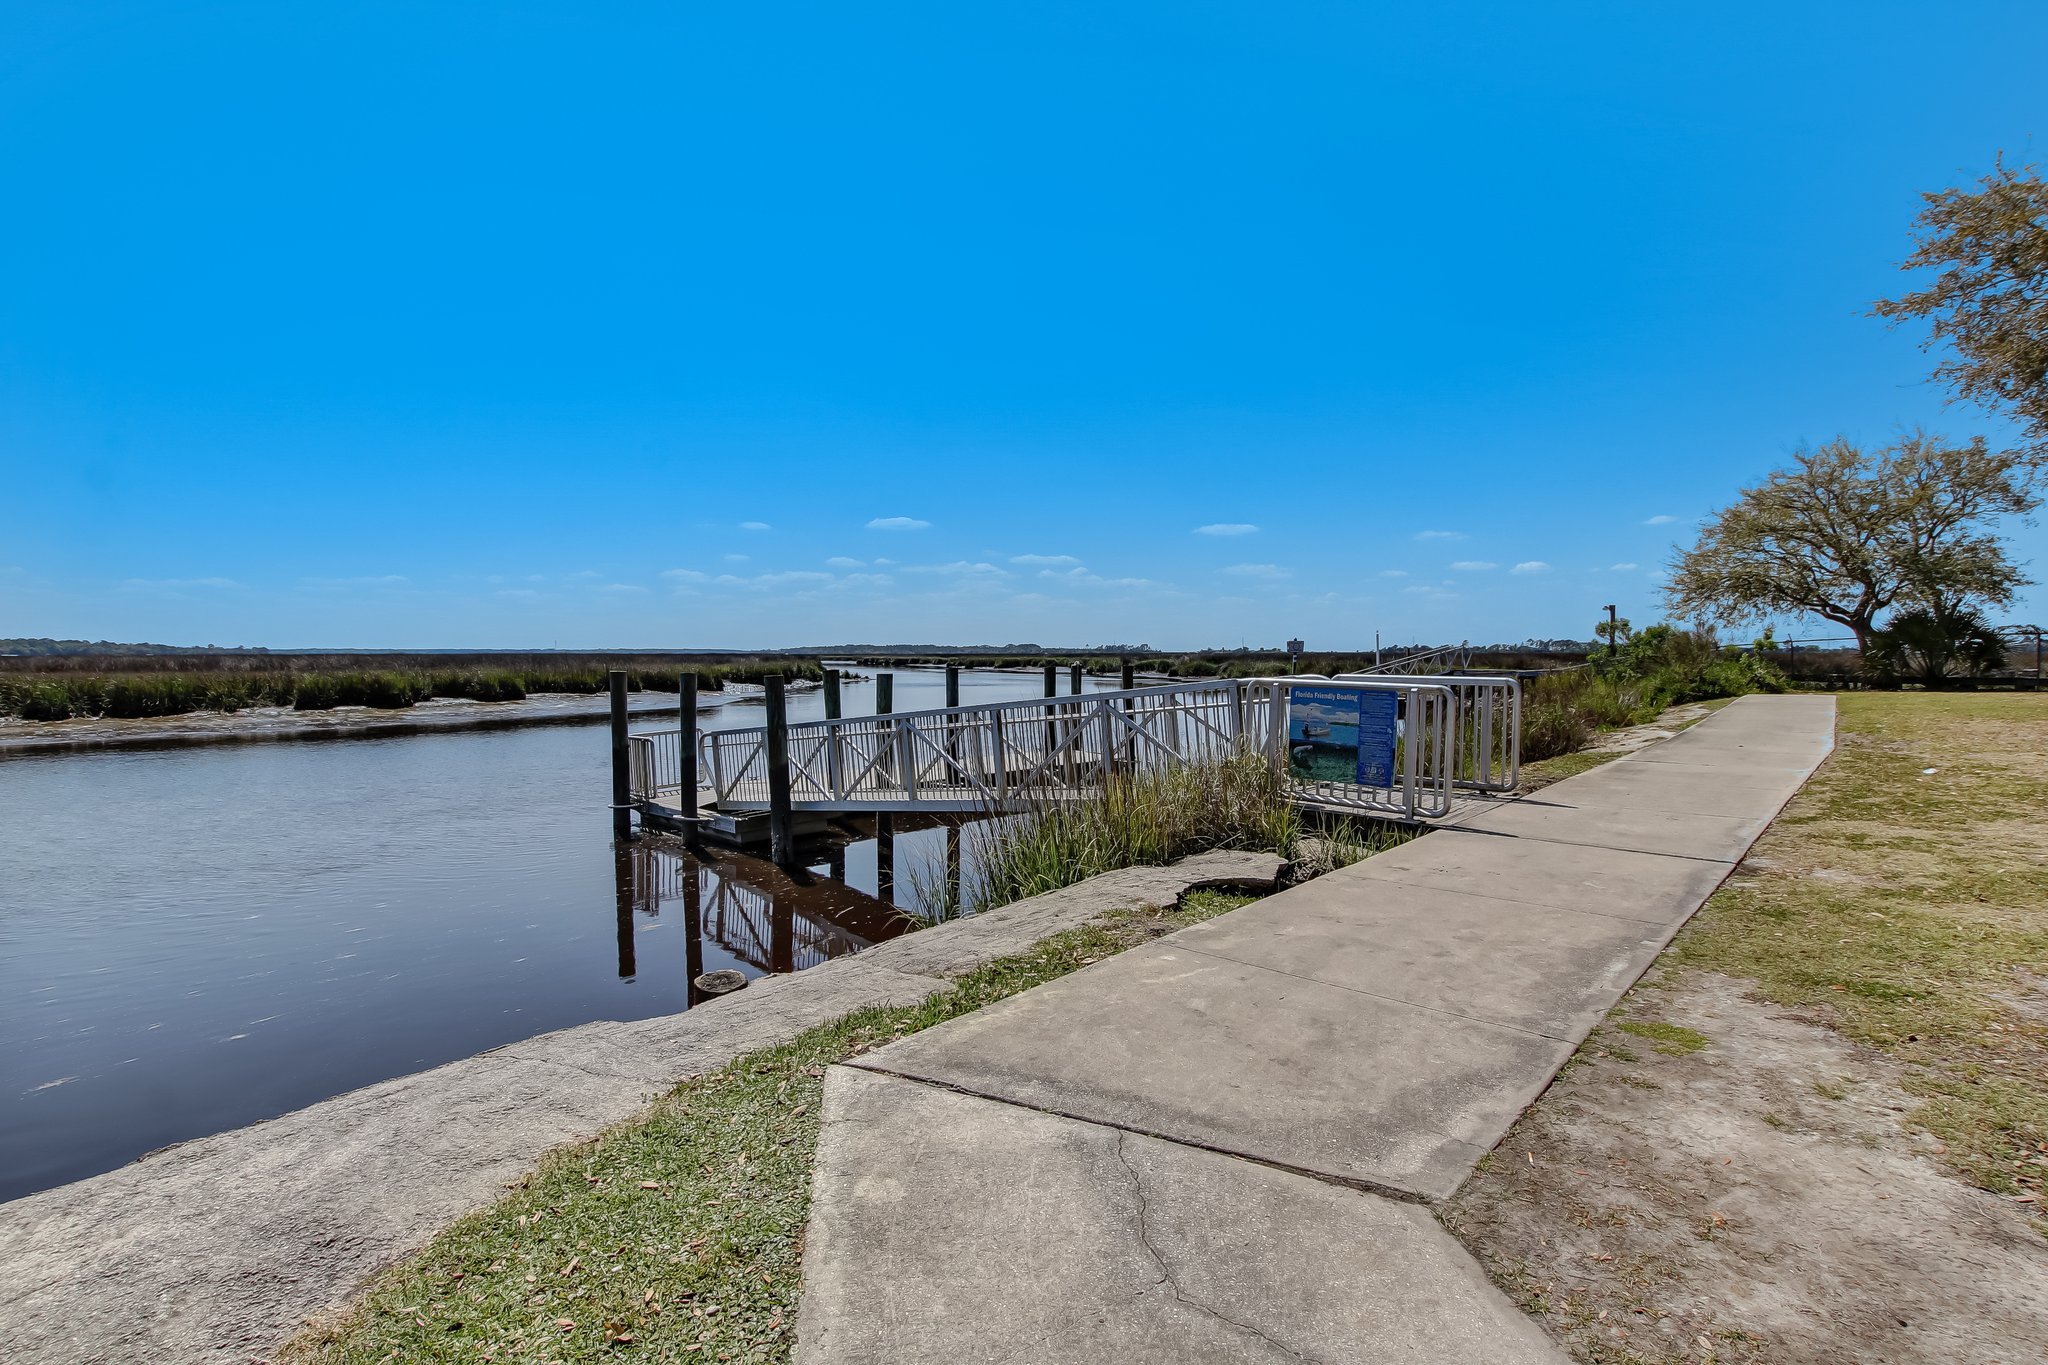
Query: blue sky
(505,325)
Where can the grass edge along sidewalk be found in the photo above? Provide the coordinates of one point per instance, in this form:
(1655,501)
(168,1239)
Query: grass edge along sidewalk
(679,1234)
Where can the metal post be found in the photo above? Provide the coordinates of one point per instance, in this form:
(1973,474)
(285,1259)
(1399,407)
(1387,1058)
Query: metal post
(831,694)
(781,829)
(622,780)
(686,754)
(1613,632)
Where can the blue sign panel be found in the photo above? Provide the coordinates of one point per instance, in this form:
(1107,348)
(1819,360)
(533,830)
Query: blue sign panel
(1379,725)
(1335,734)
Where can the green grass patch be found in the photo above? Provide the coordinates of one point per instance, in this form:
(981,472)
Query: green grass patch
(1672,1040)
(677,1235)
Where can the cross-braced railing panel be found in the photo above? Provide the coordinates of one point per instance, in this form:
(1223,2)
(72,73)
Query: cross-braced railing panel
(1454,732)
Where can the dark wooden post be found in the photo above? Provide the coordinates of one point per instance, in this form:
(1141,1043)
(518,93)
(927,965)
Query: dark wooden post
(693,929)
(831,694)
(885,702)
(1052,680)
(952,684)
(622,776)
(885,859)
(1074,689)
(622,876)
(781,829)
(1130,745)
(686,753)
(953,723)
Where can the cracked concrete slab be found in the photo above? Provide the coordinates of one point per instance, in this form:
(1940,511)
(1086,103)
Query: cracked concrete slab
(1538,968)
(1111,1246)
(1245,1059)
(1648,887)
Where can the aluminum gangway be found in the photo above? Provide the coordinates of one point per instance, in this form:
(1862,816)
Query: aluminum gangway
(1458,736)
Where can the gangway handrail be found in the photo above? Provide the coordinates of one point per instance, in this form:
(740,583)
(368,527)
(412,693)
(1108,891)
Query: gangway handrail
(1456,732)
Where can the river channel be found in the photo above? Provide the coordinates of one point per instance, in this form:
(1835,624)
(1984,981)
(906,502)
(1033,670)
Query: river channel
(193,939)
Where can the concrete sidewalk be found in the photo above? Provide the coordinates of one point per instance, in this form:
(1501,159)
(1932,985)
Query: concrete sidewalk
(1215,1147)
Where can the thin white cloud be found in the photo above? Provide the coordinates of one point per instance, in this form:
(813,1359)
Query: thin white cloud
(1622,568)
(1393,573)
(684,575)
(1530,566)
(1227,528)
(1661,519)
(898,524)
(755,526)
(622,587)
(842,562)
(1082,578)
(173,584)
(1268,571)
(959,568)
(1473,565)
(1044,561)
(737,559)
(1439,535)
(388,580)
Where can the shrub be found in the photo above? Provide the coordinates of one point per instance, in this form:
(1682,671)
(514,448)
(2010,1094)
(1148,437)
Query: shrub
(1550,728)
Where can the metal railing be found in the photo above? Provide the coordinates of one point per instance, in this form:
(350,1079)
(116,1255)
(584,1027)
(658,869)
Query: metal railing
(1486,735)
(1452,733)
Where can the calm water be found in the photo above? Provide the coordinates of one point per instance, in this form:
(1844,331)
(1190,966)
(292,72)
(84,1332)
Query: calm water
(195,939)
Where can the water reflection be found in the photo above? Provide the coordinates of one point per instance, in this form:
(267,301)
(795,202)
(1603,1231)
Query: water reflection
(769,919)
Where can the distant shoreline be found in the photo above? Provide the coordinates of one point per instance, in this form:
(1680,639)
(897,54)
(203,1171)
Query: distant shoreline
(23,739)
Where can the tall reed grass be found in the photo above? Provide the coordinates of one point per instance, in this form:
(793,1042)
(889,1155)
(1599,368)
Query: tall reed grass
(1145,819)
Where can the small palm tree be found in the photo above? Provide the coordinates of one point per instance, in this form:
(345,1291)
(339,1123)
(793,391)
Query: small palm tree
(1934,644)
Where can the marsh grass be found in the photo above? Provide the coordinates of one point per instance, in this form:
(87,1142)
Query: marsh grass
(1145,819)
(679,1234)
(41,692)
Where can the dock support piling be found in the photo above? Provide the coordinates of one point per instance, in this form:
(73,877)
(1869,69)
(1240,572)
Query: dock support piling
(1075,688)
(831,694)
(781,829)
(1130,675)
(1052,680)
(622,777)
(885,828)
(686,753)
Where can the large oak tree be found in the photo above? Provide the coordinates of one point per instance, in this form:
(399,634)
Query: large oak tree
(1845,534)
(1988,300)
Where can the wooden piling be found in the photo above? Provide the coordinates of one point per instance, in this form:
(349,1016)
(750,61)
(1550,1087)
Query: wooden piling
(952,684)
(781,827)
(622,878)
(831,694)
(622,775)
(885,702)
(686,753)
(1052,680)
(1130,677)
(1074,689)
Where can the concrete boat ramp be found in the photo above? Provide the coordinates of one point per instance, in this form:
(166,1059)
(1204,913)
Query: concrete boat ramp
(1222,1146)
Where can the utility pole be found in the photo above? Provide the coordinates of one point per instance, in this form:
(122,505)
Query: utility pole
(1613,631)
